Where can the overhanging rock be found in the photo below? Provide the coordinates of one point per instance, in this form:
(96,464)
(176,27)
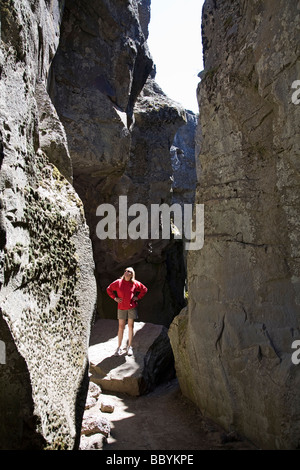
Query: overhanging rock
(151,363)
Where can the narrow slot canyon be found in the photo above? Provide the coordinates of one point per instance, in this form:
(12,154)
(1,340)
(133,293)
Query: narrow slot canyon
(100,170)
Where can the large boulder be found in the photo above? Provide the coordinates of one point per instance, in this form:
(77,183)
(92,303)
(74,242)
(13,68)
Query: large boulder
(151,363)
(47,284)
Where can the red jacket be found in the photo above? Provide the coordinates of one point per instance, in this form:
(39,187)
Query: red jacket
(126,290)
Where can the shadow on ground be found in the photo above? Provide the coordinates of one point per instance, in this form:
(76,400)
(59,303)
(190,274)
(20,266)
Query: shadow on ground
(165,420)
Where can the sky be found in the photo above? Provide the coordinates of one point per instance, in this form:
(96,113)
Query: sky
(175,45)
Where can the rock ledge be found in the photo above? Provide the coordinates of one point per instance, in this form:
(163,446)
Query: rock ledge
(151,363)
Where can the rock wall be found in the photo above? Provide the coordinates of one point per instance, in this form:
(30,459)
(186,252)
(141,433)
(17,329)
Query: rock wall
(47,285)
(183,161)
(82,122)
(233,343)
(119,126)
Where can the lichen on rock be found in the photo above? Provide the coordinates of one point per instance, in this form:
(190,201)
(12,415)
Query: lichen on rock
(47,285)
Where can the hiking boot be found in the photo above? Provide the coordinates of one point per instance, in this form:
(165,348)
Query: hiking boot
(118,352)
(130,351)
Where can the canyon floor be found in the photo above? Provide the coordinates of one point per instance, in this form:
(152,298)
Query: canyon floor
(160,420)
(164,420)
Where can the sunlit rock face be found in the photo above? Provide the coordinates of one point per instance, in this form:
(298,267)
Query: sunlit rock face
(233,344)
(119,126)
(47,284)
(183,161)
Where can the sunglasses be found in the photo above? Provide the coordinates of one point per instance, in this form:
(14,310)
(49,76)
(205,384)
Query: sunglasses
(126,271)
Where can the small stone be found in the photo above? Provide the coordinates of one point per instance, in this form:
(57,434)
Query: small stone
(94,425)
(106,407)
(90,402)
(94,390)
(94,442)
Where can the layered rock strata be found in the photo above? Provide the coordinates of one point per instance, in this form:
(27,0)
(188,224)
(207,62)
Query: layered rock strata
(233,344)
(47,285)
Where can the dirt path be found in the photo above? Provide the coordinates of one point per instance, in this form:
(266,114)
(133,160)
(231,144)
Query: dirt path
(161,420)
(164,420)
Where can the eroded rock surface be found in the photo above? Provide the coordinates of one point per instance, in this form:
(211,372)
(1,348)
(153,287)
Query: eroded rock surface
(233,344)
(119,126)
(183,161)
(48,290)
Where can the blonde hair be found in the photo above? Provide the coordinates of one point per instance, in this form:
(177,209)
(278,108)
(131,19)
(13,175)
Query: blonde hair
(132,271)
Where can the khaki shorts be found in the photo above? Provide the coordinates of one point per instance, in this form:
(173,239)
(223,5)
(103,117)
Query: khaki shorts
(130,313)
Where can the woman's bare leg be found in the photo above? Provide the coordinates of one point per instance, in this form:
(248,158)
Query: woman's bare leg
(130,330)
(122,324)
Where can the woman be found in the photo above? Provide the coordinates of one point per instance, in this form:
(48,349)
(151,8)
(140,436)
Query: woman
(126,291)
